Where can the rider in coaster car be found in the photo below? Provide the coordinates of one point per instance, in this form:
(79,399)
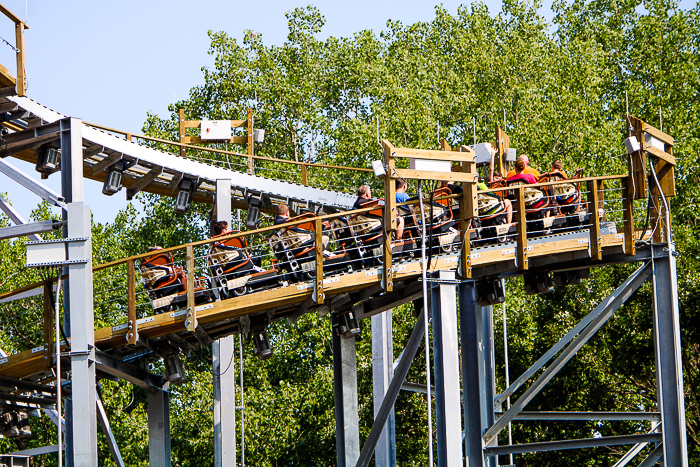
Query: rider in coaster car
(221,228)
(401,197)
(520,174)
(283,217)
(495,176)
(364,195)
(528,170)
(557,166)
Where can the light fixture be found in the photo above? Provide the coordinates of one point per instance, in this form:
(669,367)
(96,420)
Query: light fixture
(378,167)
(25,430)
(538,282)
(113,180)
(561,278)
(259,136)
(174,371)
(348,326)
(261,343)
(253,215)
(632,145)
(257,327)
(10,427)
(48,159)
(490,292)
(184,195)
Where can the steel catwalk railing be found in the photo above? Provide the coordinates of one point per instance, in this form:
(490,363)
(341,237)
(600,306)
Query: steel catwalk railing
(114,307)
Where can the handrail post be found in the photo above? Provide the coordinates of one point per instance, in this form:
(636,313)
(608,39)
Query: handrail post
(389,215)
(19,44)
(181,133)
(596,241)
(318,282)
(467,209)
(304,174)
(628,215)
(132,335)
(521,230)
(48,325)
(191,320)
(251,162)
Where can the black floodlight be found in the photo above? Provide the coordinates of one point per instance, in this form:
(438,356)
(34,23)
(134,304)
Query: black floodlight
(349,327)
(25,430)
(113,180)
(262,348)
(48,159)
(490,292)
(184,195)
(174,371)
(538,282)
(253,216)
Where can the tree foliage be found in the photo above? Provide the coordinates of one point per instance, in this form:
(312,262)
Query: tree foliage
(561,88)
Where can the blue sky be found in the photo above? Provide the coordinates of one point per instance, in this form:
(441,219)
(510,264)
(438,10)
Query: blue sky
(112,62)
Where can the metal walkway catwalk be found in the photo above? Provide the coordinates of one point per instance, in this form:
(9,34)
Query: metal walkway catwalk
(152,170)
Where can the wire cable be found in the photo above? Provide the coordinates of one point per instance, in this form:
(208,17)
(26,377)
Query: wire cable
(426,310)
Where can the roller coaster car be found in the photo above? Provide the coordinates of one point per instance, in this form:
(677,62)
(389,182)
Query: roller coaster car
(294,248)
(166,283)
(566,197)
(491,222)
(438,215)
(368,235)
(540,214)
(234,270)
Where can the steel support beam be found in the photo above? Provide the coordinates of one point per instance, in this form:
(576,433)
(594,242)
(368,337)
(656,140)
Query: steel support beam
(223,351)
(400,373)
(602,313)
(469,316)
(382,373)
(573,444)
(82,433)
(136,375)
(107,429)
(158,428)
(25,230)
(446,361)
(15,217)
(669,372)
(347,421)
(487,374)
(32,185)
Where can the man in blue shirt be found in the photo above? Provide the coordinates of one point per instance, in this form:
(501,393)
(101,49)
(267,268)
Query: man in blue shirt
(401,197)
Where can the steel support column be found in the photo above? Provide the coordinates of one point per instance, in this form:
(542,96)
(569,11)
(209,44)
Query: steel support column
(669,372)
(469,312)
(158,428)
(78,293)
(347,422)
(382,373)
(487,374)
(223,364)
(446,361)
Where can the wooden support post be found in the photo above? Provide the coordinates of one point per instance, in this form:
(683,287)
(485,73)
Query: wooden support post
(181,132)
(655,217)
(502,144)
(628,216)
(389,215)
(444,145)
(191,320)
(48,325)
(19,45)
(304,175)
(318,283)
(467,211)
(638,161)
(132,335)
(128,136)
(251,161)
(596,241)
(521,230)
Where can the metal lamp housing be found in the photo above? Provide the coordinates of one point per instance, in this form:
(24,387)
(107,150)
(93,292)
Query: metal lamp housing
(349,327)
(261,347)
(174,371)
(184,196)
(48,160)
(113,180)
(253,215)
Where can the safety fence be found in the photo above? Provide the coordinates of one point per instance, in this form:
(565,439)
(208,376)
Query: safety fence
(310,249)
